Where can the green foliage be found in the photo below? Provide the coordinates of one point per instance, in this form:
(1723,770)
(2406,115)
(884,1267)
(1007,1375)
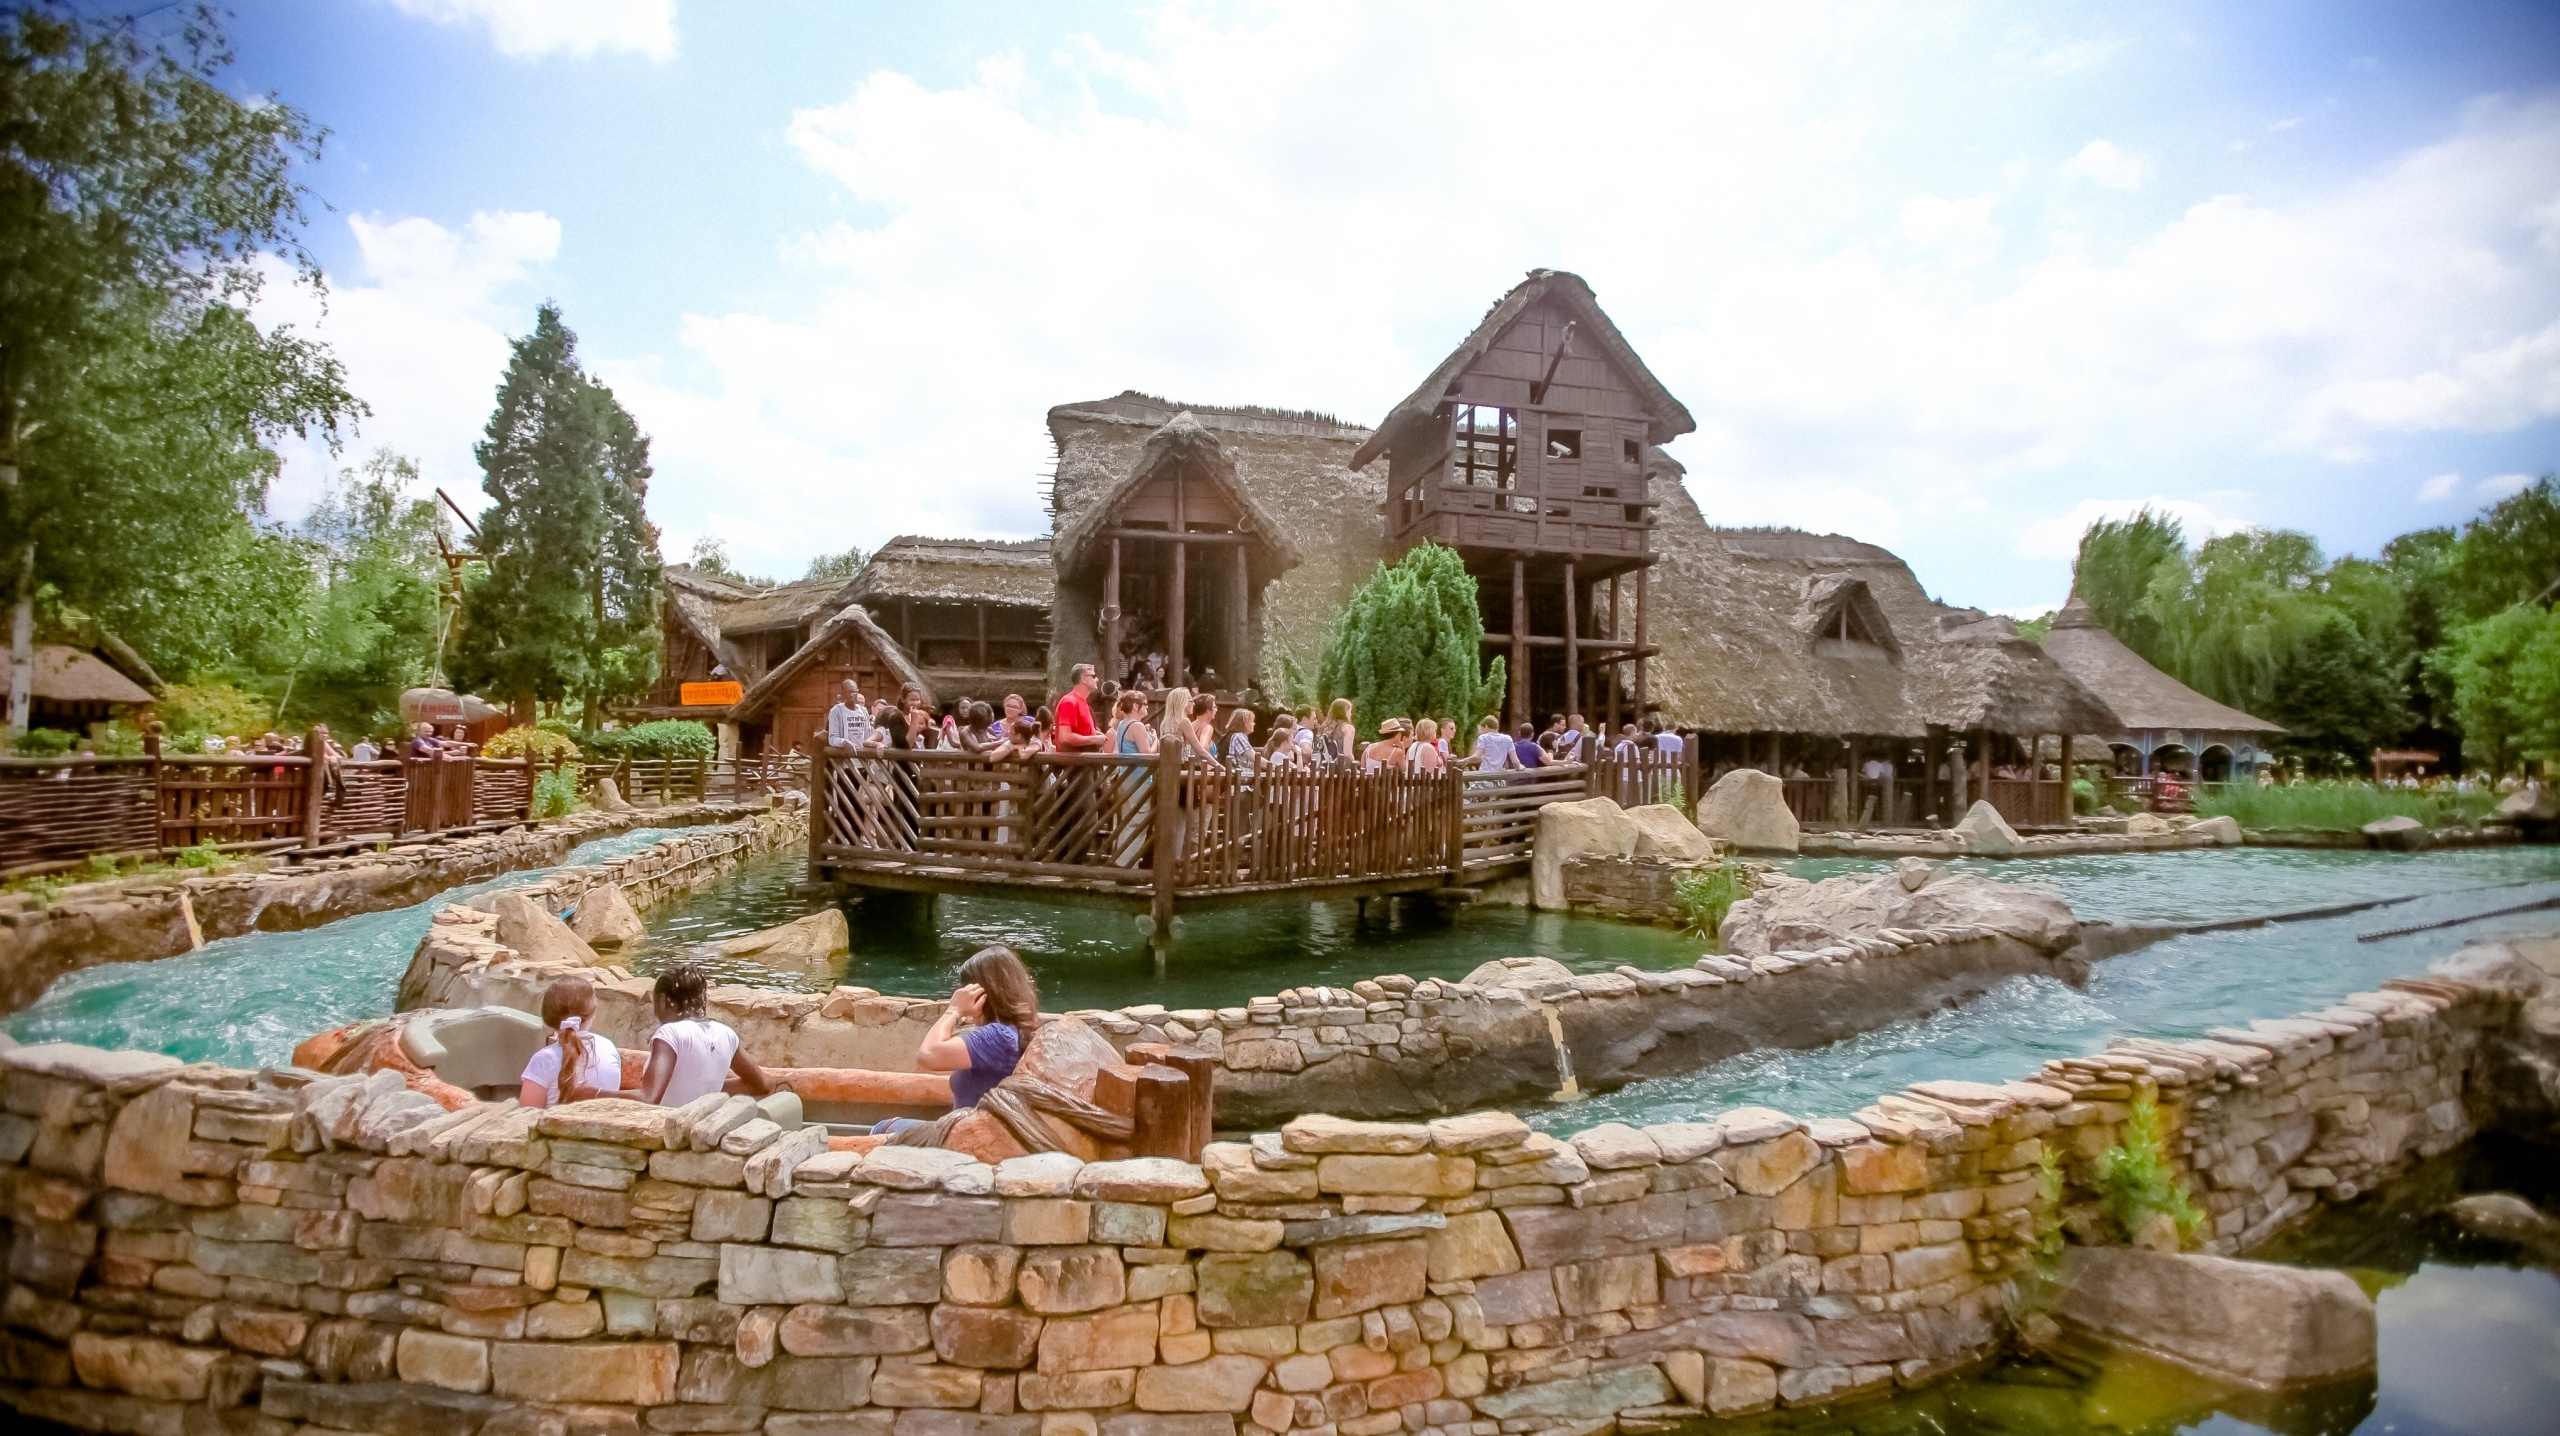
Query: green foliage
(370,623)
(546,749)
(1408,643)
(2337,696)
(203,856)
(712,556)
(44,743)
(2049,1190)
(2113,574)
(1675,793)
(1705,895)
(679,738)
(555,790)
(138,196)
(567,603)
(192,712)
(2136,1181)
(2339,806)
(2504,672)
(837,565)
(2084,796)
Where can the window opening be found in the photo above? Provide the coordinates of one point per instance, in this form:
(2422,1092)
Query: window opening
(1485,446)
(1628,449)
(1564,443)
(1598,491)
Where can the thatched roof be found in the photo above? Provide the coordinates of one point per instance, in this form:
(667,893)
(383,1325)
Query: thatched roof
(2141,695)
(787,606)
(1182,443)
(1742,617)
(73,675)
(1670,417)
(935,570)
(697,599)
(853,617)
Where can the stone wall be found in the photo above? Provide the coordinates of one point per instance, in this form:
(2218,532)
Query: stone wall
(141,919)
(1391,1046)
(1630,889)
(196,1249)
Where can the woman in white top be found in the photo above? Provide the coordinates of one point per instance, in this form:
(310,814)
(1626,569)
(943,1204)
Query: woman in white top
(575,1064)
(691,1055)
(1424,755)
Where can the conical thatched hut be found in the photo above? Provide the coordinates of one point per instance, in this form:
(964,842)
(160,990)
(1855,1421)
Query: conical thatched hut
(2161,724)
(972,613)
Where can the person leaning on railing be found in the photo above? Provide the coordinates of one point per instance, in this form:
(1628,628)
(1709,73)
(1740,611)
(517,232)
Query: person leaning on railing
(1076,730)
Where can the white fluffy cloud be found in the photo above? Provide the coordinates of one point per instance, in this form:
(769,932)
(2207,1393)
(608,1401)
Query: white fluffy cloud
(2101,163)
(530,29)
(423,336)
(2439,488)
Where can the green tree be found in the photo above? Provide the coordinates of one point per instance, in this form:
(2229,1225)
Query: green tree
(2509,555)
(2504,674)
(136,399)
(372,624)
(712,556)
(837,565)
(2336,697)
(2113,573)
(567,603)
(1408,643)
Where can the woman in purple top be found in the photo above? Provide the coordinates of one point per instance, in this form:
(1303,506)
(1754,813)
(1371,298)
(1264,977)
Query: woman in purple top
(999,1001)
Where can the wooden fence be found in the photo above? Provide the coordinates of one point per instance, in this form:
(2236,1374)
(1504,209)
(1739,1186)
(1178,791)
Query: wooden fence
(58,812)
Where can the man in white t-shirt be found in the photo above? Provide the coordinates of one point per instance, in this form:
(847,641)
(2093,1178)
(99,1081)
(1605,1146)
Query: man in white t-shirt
(1667,741)
(1877,770)
(849,722)
(364,751)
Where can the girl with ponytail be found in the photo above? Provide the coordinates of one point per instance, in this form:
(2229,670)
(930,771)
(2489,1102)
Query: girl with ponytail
(575,1064)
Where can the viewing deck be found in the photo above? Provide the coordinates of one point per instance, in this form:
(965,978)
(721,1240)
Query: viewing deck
(1155,834)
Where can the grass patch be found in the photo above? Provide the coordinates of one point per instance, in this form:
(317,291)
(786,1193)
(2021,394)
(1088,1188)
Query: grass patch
(1705,895)
(555,792)
(2341,806)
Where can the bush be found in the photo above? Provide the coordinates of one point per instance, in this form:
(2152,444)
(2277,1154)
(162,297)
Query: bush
(2343,806)
(555,791)
(676,738)
(546,750)
(2136,1180)
(191,712)
(45,743)
(1705,895)
(2084,796)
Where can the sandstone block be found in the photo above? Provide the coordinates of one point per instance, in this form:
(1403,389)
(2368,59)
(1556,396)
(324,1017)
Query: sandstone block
(1615,1146)
(936,1219)
(995,1338)
(2253,1323)
(891,1276)
(146,1145)
(1767,1168)
(1872,1167)
(141,1366)
(638,1373)
(1581,1398)
(431,1358)
(1218,1383)
(732,1217)
(1211,1232)
(654,1277)
(1140,1179)
(1042,1174)
(980,1275)
(1124,1336)
(1472,1245)
(1050,1221)
(1076,1390)
(1059,1281)
(1362,1276)
(814,1330)
(1476,1132)
(963,1423)
(768,1276)
(1274,1288)
(1145,1423)
(1421,1174)
(1318,1133)
(1128,1224)
(949,1387)
(1748,808)
(819,1383)
(1735,1386)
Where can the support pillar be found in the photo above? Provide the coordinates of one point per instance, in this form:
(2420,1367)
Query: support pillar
(1240,624)
(1519,640)
(1616,634)
(2069,807)
(1642,702)
(1112,662)
(1175,612)
(1572,642)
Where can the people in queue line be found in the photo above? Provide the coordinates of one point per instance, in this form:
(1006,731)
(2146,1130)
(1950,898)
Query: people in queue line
(999,1005)
(1076,730)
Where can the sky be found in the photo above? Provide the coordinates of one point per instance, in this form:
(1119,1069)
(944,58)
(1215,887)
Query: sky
(1951,278)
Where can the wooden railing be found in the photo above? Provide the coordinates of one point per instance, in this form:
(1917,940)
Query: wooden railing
(57,812)
(2045,803)
(1646,776)
(1499,814)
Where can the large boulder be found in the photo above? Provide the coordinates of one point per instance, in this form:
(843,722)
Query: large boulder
(808,945)
(1748,808)
(2224,830)
(2399,831)
(1591,828)
(1985,832)
(2147,825)
(1663,831)
(608,796)
(530,930)
(1788,914)
(2531,803)
(606,919)
(2248,1323)
(1518,972)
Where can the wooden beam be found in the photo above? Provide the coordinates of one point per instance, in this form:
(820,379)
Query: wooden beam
(1239,624)
(1112,664)
(1175,611)
(1572,643)
(1519,641)
(1168,536)
(1642,701)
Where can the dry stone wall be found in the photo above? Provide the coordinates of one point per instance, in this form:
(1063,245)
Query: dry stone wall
(1386,1047)
(194,1249)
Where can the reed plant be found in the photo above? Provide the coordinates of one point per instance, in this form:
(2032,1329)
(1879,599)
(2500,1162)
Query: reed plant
(2343,806)
(1705,895)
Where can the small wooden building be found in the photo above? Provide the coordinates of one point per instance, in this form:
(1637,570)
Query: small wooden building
(786,710)
(1528,450)
(724,639)
(77,688)
(2161,724)
(973,614)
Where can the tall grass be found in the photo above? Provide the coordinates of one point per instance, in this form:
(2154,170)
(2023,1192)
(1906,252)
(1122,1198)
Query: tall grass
(2343,806)
(1705,895)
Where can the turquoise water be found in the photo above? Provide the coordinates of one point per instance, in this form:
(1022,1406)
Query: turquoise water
(245,1001)
(1093,957)
(2172,989)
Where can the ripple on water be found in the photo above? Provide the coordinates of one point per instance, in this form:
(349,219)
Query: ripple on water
(247,1000)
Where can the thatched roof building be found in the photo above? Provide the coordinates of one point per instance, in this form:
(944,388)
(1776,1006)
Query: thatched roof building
(75,687)
(972,613)
(725,642)
(2160,722)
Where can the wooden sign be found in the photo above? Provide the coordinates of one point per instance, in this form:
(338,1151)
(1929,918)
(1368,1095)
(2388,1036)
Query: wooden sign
(710,695)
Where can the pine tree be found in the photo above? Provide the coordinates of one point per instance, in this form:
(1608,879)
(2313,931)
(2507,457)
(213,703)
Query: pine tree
(1408,642)
(567,603)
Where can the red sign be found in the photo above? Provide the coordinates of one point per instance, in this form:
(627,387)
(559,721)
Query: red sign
(710,695)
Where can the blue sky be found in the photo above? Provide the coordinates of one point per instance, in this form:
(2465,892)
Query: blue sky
(1954,279)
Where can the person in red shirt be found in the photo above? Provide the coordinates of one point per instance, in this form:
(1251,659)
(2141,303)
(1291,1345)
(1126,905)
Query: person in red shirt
(1077,732)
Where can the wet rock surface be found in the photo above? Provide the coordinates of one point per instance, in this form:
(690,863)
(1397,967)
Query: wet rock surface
(1787,912)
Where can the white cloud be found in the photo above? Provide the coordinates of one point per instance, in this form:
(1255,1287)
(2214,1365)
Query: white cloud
(2101,163)
(2439,488)
(423,336)
(530,29)
(2059,536)
(2504,486)
(2493,388)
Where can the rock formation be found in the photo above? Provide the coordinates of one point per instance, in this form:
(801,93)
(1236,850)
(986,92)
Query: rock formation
(530,928)
(1986,832)
(809,946)
(1789,913)
(2249,1323)
(1593,827)
(1663,831)
(1748,808)
(606,920)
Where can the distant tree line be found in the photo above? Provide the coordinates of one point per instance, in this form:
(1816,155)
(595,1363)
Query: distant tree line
(2448,641)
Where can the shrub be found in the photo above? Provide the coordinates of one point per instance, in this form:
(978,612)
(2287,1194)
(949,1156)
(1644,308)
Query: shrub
(203,855)
(1705,895)
(2135,1178)
(1675,793)
(2084,796)
(45,743)
(679,738)
(555,791)
(546,750)
(191,712)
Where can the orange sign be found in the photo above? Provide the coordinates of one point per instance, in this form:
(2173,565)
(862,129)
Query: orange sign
(710,695)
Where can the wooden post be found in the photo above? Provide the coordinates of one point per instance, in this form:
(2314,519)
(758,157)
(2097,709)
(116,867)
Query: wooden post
(2069,808)
(1572,642)
(1113,666)
(1239,624)
(1846,815)
(1167,796)
(821,792)
(982,637)
(1161,1124)
(1519,640)
(1616,634)
(315,786)
(1981,764)
(1778,756)
(1202,1069)
(1174,615)
(1893,768)
(1642,701)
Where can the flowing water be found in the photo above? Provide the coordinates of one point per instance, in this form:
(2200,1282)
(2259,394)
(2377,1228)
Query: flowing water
(2470,1338)
(247,1000)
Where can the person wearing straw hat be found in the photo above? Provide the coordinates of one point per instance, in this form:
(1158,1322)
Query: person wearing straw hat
(1388,751)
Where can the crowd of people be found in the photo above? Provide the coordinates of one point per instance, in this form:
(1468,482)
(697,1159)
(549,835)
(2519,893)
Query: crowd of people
(1101,717)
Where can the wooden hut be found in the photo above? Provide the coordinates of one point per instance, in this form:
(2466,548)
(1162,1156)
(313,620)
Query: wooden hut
(724,639)
(785,710)
(76,688)
(2161,724)
(973,614)
(1528,450)
(1237,534)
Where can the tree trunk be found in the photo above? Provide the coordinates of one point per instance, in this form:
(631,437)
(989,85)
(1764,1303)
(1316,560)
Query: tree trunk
(22,606)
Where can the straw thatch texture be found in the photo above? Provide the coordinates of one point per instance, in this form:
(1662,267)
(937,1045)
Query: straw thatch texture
(72,675)
(1421,407)
(851,620)
(1293,467)
(937,570)
(787,606)
(2142,696)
